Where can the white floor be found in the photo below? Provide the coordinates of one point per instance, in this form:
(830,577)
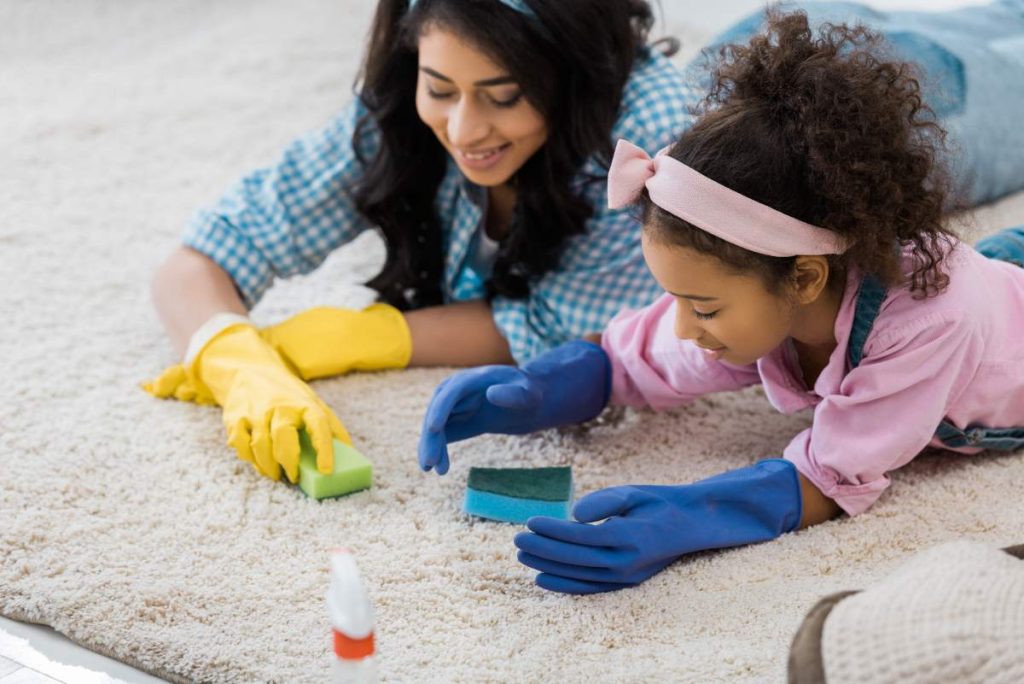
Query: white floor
(33,654)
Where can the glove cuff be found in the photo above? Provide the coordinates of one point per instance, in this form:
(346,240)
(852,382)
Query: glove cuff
(607,374)
(577,378)
(328,341)
(787,477)
(392,339)
(217,324)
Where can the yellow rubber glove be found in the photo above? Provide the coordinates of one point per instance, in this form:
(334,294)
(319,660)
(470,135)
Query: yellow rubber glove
(325,341)
(264,404)
(174,383)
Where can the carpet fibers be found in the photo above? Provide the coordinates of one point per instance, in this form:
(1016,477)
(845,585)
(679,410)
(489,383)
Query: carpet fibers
(126,524)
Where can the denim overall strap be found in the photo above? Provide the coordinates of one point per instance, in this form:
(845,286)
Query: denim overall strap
(869,301)
(1007,246)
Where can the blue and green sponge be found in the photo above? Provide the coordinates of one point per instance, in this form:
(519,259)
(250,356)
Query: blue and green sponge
(517,494)
(352,471)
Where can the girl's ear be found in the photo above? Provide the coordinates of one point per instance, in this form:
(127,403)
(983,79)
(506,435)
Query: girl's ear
(810,277)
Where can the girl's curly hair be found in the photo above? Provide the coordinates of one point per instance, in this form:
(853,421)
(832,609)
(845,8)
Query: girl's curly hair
(828,130)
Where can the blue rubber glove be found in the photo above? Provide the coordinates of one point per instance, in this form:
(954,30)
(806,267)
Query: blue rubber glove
(648,527)
(569,384)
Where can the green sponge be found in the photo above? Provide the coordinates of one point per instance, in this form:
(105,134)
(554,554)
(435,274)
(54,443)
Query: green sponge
(516,494)
(352,471)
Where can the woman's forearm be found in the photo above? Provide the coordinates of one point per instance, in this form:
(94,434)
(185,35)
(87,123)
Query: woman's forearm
(459,334)
(188,290)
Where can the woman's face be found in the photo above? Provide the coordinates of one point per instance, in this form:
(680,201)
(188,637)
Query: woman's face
(475,108)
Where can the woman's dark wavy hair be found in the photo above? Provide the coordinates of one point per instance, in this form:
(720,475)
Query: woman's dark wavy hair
(571,60)
(827,130)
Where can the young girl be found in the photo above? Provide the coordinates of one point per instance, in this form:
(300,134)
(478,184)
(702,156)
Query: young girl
(797,230)
(478,145)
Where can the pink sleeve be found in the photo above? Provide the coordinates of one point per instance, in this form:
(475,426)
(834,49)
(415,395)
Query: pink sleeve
(652,367)
(887,409)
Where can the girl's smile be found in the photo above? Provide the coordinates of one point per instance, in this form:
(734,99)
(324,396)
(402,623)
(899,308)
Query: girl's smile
(730,315)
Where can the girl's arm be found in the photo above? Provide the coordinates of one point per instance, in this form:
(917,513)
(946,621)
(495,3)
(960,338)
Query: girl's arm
(818,508)
(886,409)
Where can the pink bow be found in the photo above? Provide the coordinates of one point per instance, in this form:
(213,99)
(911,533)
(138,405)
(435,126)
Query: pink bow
(710,206)
(630,170)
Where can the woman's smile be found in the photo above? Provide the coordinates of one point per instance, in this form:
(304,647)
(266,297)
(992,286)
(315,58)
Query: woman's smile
(483,158)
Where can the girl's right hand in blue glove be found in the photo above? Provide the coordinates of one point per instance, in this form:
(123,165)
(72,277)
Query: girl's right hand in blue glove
(647,527)
(569,384)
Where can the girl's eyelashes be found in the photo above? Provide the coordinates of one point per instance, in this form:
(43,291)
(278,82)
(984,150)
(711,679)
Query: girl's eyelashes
(704,316)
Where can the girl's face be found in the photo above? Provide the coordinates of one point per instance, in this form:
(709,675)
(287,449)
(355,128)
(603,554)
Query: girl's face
(731,315)
(475,108)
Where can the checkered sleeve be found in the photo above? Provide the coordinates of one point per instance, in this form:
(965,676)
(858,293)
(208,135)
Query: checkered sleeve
(285,219)
(602,271)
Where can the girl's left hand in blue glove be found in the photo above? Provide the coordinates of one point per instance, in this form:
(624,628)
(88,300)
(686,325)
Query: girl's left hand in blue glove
(647,527)
(569,384)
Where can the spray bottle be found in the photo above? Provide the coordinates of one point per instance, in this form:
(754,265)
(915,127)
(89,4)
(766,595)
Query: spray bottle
(351,616)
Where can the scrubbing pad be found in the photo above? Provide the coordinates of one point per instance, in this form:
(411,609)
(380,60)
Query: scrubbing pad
(352,471)
(516,494)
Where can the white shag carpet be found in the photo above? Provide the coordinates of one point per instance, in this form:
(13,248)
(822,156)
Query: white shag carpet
(125,522)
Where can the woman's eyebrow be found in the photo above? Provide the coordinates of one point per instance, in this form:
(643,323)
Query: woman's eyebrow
(497,80)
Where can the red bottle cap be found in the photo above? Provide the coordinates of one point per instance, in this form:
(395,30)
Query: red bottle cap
(352,649)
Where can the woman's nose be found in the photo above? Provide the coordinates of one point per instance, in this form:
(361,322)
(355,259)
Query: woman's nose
(466,125)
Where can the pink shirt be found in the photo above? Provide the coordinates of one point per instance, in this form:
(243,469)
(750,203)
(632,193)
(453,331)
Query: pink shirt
(958,355)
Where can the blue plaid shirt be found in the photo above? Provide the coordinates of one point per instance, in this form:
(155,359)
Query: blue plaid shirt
(285,219)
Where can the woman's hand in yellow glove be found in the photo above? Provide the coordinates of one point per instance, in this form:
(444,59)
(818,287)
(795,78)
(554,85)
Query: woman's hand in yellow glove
(264,404)
(326,341)
(174,383)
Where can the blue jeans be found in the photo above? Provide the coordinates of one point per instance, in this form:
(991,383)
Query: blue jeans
(998,439)
(973,59)
(1006,245)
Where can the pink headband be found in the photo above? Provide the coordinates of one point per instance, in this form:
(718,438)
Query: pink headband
(725,213)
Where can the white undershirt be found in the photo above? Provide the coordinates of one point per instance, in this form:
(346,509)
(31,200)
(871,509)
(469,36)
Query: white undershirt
(483,253)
